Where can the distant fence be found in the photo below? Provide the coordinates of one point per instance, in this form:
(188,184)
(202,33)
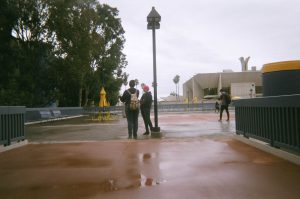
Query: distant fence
(12,121)
(275,120)
(162,107)
(185,107)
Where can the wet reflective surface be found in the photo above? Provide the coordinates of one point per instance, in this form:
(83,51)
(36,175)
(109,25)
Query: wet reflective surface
(196,158)
(174,125)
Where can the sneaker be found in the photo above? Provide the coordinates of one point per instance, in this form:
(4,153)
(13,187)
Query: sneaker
(146,133)
(220,120)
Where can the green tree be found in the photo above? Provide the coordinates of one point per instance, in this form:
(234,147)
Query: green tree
(62,50)
(25,57)
(125,79)
(176,80)
(136,82)
(91,46)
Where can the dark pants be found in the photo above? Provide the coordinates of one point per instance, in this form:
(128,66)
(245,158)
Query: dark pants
(146,117)
(132,122)
(224,107)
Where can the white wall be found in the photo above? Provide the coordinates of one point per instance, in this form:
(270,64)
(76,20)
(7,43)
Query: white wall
(243,89)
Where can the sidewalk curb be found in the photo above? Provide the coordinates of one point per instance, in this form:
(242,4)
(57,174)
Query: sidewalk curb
(265,147)
(13,146)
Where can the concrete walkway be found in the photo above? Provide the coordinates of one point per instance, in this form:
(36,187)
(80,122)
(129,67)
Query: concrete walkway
(197,158)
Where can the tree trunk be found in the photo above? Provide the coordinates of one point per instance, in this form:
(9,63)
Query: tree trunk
(80,97)
(86,96)
(178,93)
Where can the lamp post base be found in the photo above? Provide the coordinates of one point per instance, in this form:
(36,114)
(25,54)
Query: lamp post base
(155,129)
(155,132)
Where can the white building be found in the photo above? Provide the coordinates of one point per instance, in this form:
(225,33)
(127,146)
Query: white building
(245,84)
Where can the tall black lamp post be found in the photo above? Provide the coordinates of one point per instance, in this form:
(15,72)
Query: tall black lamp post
(153,20)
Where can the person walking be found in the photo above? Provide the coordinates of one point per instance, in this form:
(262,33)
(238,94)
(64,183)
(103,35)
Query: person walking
(146,102)
(131,110)
(225,101)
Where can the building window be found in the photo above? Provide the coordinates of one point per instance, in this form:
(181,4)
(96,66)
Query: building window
(211,91)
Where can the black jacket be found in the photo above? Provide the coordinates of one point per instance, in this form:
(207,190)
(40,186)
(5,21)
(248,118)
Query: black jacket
(146,100)
(126,96)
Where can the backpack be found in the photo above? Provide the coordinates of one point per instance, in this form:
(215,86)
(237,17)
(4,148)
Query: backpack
(134,101)
(227,99)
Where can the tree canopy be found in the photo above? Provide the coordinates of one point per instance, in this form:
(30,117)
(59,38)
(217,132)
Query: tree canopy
(176,80)
(63,50)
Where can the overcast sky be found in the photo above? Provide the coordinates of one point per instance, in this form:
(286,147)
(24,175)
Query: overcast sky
(206,36)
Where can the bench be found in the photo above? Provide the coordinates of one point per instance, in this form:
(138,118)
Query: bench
(46,115)
(56,113)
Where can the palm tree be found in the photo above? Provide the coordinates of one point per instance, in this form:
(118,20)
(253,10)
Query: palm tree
(176,81)
(136,82)
(125,79)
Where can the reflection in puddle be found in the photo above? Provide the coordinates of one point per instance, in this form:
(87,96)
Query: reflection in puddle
(132,178)
(146,156)
(109,185)
(144,181)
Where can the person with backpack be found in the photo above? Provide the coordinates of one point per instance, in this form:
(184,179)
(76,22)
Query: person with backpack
(146,102)
(132,109)
(225,100)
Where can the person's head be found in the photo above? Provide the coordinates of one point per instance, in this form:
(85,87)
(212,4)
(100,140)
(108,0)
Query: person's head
(146,88)
(132,83)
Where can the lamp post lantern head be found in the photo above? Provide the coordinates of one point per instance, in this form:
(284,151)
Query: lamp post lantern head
(153,19)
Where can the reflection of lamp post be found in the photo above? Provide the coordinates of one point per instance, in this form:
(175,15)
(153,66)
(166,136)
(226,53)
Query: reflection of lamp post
(153,20)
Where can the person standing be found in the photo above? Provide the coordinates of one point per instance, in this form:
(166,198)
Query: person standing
(146,102)
(131,114)
(225,101)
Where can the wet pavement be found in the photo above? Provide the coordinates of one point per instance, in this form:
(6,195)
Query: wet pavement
(174,125)
(196,158)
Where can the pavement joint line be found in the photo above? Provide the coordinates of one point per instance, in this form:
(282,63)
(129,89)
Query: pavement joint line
(272,150)
(78,125)
(54,119)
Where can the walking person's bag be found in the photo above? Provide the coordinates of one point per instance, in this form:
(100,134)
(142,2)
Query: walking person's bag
(228,99)
(134,101)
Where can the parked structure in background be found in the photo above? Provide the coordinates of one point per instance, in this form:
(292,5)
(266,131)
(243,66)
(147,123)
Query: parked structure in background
(240,85)
(273,118)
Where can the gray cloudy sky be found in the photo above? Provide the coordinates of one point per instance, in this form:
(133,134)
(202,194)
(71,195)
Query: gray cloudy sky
(204,36)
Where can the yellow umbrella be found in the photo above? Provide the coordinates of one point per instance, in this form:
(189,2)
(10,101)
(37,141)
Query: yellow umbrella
(103,102)
(103,113)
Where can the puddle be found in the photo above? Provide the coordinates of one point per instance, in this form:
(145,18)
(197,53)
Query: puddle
(144,181)
(111,185)
(146,156)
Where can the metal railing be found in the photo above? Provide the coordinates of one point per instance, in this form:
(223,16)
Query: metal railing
(12,119)
(34,114)
(167,107)
(275,120)
(178,107)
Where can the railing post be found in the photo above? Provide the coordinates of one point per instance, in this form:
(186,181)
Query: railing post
(11,124)
(273,119)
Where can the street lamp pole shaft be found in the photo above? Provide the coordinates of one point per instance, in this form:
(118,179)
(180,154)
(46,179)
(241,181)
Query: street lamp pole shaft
(154,78)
